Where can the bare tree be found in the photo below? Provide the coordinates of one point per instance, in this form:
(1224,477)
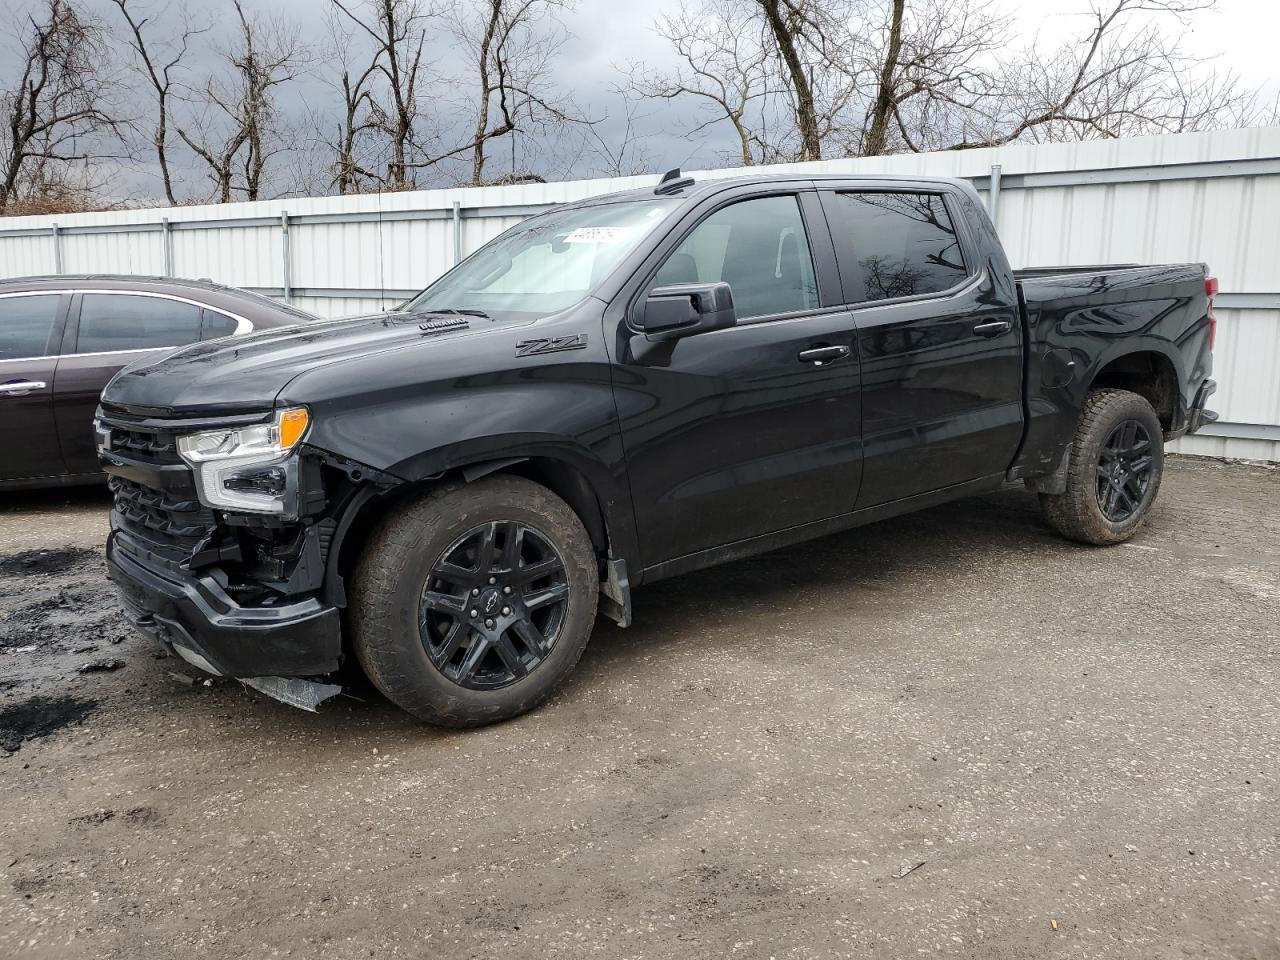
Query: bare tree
(235,131)
(779,71)
(865,77)
(398,29)
(157,64)
(794,25)
(58,111)
(624,155)
(931,64)
(884,100)
(941,86)
(511,44)
(352,165)
(1128,76)
(725,66)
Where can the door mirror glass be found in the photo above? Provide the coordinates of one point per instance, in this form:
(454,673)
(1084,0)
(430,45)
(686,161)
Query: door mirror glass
(683,309)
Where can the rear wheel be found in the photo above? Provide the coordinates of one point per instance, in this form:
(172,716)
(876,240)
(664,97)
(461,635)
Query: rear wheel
(1117,461)
(472,604)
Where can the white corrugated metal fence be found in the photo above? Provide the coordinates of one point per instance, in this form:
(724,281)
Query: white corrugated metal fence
(1212,197)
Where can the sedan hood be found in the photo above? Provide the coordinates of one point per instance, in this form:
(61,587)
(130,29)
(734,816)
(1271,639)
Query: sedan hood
(244,374)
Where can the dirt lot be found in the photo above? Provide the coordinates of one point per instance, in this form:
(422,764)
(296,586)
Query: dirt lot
(1080,748)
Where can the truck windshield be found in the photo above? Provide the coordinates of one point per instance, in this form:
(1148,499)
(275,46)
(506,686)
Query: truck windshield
(545,264)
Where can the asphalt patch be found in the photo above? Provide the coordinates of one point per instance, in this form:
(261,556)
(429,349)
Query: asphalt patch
(40,716)
(60,560)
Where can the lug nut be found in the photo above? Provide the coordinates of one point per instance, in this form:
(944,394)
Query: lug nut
(475,591)
(493,579)
(506,611)
(506,589)
(475,613)
(489,624)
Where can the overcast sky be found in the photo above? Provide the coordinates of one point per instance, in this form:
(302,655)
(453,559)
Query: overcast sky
(605,34)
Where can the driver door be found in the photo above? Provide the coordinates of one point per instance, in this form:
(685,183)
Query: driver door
(735,433)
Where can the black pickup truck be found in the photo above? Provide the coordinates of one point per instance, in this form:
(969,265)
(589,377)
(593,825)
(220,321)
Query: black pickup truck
(620,390)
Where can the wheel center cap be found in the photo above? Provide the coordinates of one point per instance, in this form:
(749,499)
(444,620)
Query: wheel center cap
(490,600)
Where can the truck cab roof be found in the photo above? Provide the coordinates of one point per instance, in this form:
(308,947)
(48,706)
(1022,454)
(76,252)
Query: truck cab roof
(698,189)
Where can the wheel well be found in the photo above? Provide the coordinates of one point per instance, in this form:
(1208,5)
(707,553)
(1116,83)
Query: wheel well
(1147,374)
(562,479)
(571,486)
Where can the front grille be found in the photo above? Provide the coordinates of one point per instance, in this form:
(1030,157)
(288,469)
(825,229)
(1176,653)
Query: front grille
(171,526)
(148,446)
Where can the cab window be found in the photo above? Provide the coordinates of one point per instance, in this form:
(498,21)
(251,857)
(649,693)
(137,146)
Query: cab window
(900,244)
(759,248)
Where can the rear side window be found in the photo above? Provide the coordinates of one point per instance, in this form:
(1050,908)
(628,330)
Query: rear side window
(759,248)
(898,244)
(216,325)
(113,321)
(25,323)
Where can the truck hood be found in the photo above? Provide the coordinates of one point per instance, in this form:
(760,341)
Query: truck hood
(244,374)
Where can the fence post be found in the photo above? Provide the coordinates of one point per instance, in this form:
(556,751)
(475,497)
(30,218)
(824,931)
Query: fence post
(457,232)
(993,194)
(284,256)
(167,227)
(57,249)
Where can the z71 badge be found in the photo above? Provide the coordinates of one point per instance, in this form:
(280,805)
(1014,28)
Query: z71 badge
(529,348)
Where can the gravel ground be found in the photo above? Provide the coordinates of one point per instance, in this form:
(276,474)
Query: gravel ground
(950,733)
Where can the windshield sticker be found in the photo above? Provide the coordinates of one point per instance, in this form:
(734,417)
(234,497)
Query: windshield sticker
(599,234)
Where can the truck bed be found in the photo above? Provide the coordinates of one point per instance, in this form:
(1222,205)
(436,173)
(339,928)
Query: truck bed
(1104,284)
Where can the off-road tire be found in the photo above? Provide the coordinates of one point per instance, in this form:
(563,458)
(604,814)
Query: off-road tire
(383,616)
(1077,513)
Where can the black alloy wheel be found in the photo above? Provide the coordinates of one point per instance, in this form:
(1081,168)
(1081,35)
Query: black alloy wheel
(1125,465)
(1114,465)
(494,605)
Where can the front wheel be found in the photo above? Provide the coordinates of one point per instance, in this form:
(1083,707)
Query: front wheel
(1116,462)
(473,603)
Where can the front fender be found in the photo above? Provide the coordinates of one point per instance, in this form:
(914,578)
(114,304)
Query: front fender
(417,414)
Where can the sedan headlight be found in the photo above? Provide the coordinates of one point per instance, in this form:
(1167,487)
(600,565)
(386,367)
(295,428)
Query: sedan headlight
(250,469)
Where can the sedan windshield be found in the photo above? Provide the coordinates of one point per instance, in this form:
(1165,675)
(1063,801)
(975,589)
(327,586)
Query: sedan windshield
(546,264)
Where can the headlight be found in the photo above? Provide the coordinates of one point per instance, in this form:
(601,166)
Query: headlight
(251,469)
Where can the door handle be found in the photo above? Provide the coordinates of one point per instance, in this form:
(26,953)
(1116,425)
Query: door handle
(820,355)
(994,328)
(18,388)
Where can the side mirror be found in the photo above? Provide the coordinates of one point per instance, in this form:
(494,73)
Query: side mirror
(683,309)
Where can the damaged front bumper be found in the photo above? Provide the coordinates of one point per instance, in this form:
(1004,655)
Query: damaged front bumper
(253,596)
(200,622)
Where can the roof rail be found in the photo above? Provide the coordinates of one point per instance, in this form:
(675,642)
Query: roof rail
(672,182)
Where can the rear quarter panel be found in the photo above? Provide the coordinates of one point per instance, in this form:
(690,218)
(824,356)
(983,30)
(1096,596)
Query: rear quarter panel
(1080,323)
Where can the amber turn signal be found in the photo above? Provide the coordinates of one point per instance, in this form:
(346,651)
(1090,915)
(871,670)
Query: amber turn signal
(293,424)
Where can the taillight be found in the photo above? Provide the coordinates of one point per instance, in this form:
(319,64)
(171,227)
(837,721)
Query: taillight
(1211,291)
